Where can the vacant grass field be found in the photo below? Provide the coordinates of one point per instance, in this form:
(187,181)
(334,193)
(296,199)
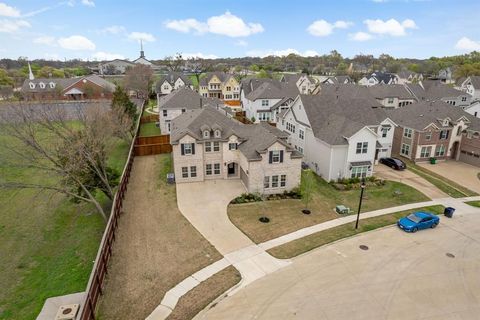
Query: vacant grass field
(47,243)
(286,216)
(155,247)
(199,297)
(149,129)
(302,245)
(474,203)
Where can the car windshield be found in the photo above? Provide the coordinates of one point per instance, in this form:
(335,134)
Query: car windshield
(413,217)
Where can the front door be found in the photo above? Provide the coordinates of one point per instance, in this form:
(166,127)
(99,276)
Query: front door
(231,169)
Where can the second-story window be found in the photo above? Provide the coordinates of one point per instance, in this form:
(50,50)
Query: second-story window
(187,148)
(276,156)
(443,134)
(407,132)
(301,134)
(362,147)
(216,146)
(165,113)
(232,146)
(265,103)
(428,136)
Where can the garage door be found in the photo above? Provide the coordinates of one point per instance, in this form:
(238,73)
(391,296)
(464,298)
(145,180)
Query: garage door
(470,158)
(244,177)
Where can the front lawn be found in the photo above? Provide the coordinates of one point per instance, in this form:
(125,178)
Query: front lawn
(302,245)
(286,216)
(474,203)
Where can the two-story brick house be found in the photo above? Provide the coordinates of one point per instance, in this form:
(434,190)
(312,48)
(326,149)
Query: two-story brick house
(209,145)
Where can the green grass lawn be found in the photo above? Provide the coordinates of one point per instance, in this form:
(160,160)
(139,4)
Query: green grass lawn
(305,244)
(474,203)
(149,129)
(47,243)
(286,216)
(450,187)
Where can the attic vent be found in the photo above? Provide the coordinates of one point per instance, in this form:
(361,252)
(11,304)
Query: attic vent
(421,115)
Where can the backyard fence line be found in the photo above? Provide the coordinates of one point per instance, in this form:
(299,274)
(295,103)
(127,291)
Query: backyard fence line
(99,271)
(149,118)
(146,146)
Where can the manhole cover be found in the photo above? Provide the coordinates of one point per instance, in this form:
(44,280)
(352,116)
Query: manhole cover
(450,255)
(67,311)
(363,247)
(264,219)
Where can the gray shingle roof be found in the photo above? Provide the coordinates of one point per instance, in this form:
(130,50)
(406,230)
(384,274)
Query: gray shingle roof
(254,138)
(433,90)
(268,89)
(475,81)
(186,98)
(171,77)
(382,91)
(63,83)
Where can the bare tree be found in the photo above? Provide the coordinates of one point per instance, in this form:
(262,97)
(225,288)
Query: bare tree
(139,79)
(72,153)
(174,62)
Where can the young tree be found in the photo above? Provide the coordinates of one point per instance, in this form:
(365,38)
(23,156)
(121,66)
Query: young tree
(139,79)
(73,154)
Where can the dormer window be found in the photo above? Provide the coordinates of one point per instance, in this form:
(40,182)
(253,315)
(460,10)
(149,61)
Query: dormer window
(32,85)
(52,85)
(206,134)
(445,122)
(42,85)
(217,133)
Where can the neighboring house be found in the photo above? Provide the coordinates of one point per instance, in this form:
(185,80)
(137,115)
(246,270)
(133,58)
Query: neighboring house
(406,76)
(179,101)
(340,136)
(222,86)
(445,76)
(81,88)
(470,144)
(338,80)
(392,96)
(473,108)
(428,129)
(378,77)
(265,99)
(304,83)
(208,145)
(471,85)
(433,90)
(172,81)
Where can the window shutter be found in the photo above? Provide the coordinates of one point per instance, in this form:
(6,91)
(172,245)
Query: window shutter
(446,136)
(270,157)
(281,156)
(193,148)
(183,149)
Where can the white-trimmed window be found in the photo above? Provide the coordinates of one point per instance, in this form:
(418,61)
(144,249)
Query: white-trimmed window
(440,151)
(290,127)
(425,152)
(206,134)
(32,85)
(187,147)
(266,182)
(359,172)
(407,132)
(208,147)
(300,149)
(443,134)
(283,180)
(216,168)
(208,169)
(217,133)
(216,146)
(405,150)
(232,146)
(165,113)
(52,85)
(275,156)
(390,101)
(362,147)
(428,136)
(184,172)
(301,134)
(42,85)
(274,181)
(193,171)
(264,116)
(265,103)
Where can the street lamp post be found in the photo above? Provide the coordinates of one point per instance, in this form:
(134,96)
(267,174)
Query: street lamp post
(360,204)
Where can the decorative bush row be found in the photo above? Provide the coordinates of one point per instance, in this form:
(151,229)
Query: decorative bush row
(355,183)
(256,197)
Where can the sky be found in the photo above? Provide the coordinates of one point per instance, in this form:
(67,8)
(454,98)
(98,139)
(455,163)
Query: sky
(108,29)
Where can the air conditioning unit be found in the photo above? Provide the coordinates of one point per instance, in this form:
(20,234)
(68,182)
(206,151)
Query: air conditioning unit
(67,312)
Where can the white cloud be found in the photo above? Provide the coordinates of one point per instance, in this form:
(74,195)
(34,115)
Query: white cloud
(76,43)
(466,44)
(226,24)
(281,53)
(104,56)
(8,11)
(322,28)
(88,3)
(241,43)
(46,40)
(12,26)
(199,55)
(113,29)
(390,27)
(360,36)
(146,37)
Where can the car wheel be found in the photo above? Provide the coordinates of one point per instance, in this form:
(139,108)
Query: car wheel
(414,230)
(434,225)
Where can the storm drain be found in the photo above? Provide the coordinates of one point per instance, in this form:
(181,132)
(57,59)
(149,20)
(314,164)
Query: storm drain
(363,247)
(264,219)
(450,255)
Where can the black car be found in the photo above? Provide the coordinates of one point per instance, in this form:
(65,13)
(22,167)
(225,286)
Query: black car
(394,163)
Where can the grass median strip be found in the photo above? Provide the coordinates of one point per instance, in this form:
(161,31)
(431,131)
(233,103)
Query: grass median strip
(302,245)
(199,297)
(474,203)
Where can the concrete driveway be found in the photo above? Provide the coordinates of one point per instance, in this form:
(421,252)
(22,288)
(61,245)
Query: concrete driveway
(401,276)
(411,179)
(460,172)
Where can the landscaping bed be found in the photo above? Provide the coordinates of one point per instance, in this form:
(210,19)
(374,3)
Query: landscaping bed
(305,244)
(286,215)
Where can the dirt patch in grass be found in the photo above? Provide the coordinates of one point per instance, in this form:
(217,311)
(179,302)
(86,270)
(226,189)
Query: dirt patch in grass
(286,215)
(155,248)
(199,297)
(302,245)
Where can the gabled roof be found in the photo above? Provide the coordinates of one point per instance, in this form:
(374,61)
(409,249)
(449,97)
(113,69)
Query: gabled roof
(382,91)
(254,138)
(64,83)
(475,80)
(294,77)
(422,114)
(222,76)
(268,89)
(433,90)
(171,78)
(186,98)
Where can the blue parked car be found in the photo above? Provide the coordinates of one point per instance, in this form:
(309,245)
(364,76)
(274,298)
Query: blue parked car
(418,220)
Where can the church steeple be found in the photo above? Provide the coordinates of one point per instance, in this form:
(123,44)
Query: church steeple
(142,53)
(30,73)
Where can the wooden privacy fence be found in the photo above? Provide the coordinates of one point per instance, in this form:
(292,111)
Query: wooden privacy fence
(95,283)
(149,118)
(145,146)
